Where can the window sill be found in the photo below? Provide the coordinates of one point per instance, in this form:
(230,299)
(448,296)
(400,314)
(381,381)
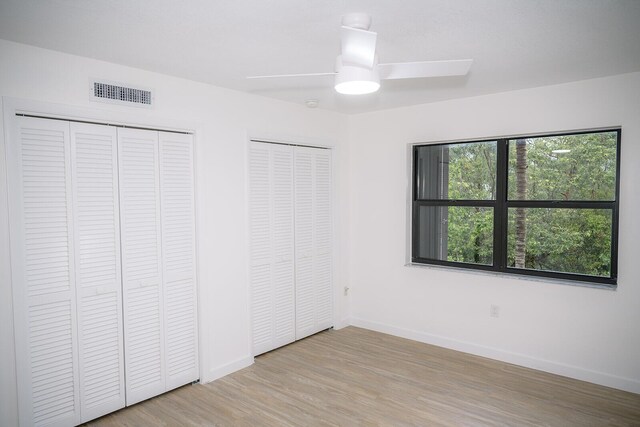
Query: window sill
(555,281)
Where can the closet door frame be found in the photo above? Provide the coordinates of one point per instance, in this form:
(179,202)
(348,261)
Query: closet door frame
(13,108)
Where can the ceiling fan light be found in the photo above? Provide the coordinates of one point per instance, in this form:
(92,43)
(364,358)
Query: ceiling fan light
(354,80)
(357,87)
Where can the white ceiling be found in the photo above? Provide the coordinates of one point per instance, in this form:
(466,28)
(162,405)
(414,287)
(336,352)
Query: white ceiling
(515,43)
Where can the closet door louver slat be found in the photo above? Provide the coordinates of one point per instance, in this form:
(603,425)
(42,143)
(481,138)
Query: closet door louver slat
(38,155)
(178,246)
(98,280)
(141,264)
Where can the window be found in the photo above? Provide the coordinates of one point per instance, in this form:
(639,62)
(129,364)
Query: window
(538,205)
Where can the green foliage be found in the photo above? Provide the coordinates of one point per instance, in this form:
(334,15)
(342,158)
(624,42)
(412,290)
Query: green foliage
(470,237)
(586,172)
(565,240)
(472,171)
(472,176)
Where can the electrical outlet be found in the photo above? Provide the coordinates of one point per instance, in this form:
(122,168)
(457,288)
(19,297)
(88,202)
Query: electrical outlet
(494,310)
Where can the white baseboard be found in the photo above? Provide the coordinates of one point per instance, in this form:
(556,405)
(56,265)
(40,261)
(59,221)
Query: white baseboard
(229,368)
(570,371)
(342,324)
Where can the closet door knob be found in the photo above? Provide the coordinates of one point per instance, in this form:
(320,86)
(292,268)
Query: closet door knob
(145,283)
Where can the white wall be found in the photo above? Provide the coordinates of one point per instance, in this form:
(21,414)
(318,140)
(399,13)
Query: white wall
(581,332)
(223,119)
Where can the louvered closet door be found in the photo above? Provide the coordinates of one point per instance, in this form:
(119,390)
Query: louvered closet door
(271,241)
(313,242)
(94,156)
(179,267)
(141,264)
(43,272)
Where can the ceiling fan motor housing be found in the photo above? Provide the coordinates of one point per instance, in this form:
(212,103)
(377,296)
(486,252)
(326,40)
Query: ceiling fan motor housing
(361,21)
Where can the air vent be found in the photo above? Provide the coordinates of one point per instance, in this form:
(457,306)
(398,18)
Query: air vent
(119,94)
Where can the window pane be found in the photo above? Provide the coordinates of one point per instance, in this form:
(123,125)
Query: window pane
(457,171)
(569,167)
(561,240)
(456,233)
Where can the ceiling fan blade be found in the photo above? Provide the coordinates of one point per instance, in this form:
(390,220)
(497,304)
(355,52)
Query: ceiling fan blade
(358,46)
(412,70)
(277,76)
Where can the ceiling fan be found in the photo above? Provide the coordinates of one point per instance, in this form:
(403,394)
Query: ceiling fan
(357,70)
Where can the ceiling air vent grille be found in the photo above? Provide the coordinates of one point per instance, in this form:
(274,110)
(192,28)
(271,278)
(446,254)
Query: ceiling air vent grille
(113,92)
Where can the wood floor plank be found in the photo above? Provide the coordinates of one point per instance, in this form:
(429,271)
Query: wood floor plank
(358,377)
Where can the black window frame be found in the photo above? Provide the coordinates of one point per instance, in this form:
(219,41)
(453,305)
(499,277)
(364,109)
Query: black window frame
(501,206)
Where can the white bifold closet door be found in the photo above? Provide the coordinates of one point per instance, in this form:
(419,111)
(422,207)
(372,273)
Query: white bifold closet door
(38,158)
(158,261)
(66,271)
(141,263)
(94,157)
(313,242)
(290,216)
(102,226)
(271,230)
(179,255)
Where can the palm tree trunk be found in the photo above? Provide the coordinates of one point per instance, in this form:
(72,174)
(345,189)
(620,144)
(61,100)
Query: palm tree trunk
(521,194)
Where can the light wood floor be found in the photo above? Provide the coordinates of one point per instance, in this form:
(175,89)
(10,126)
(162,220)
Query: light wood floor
(358,377)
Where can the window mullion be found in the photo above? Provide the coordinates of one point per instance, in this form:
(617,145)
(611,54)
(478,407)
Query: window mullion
(561,204)
(447,202)
(500,212)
